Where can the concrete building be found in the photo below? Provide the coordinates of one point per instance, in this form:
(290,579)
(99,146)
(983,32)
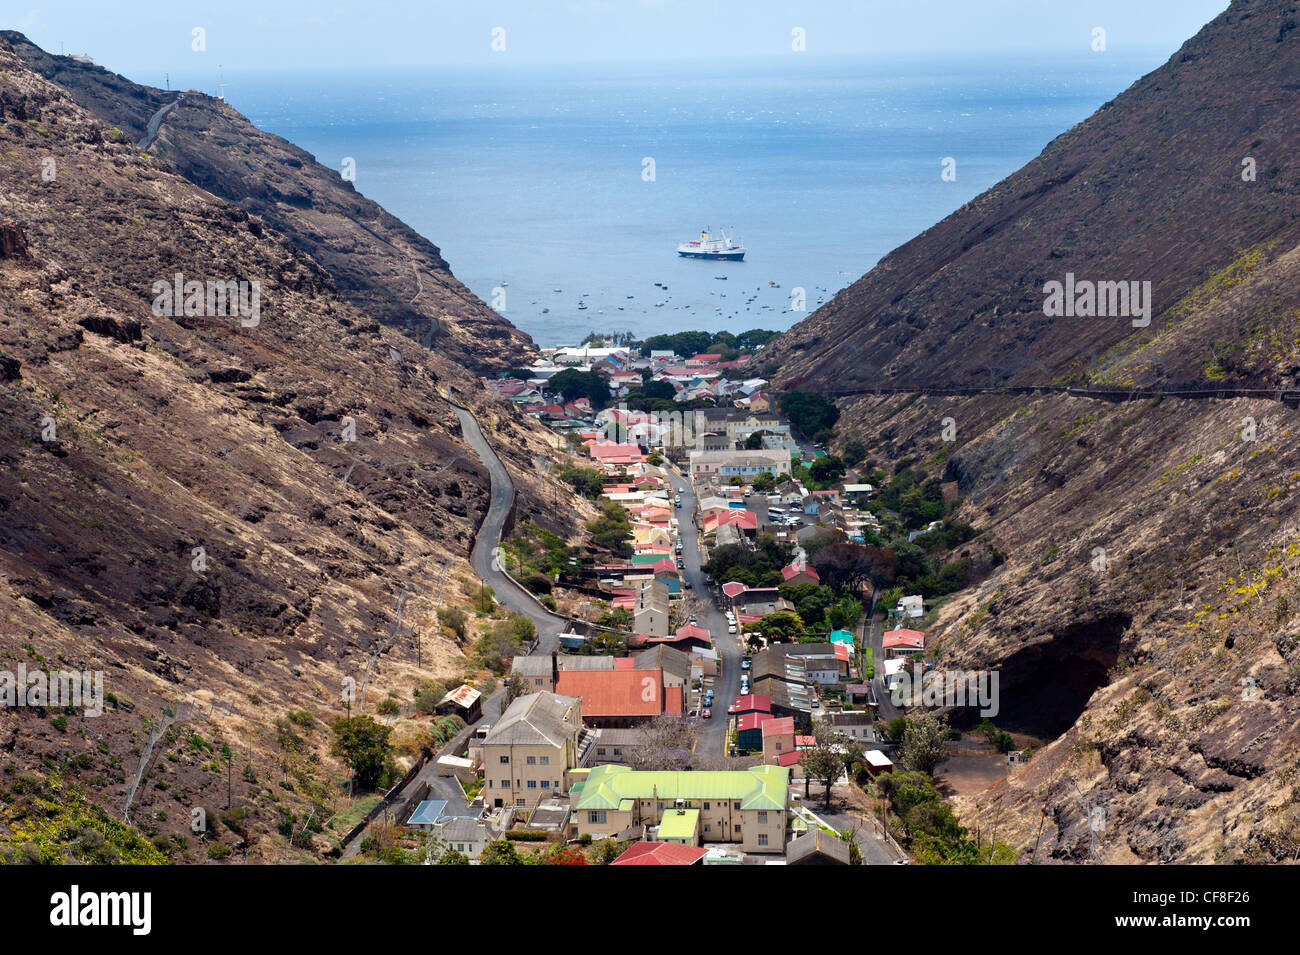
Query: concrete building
(746,806)
(738,463)
(538,739)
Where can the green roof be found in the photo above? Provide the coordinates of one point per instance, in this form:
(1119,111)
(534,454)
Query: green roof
(645,560)
(841,636)
(760,787)
(679,824)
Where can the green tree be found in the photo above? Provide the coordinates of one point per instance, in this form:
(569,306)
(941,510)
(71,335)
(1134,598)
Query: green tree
(500,852)
(925,742)
(780,625)
(811,414)
(827,470)
(364,745)
(823,761)
(573,384)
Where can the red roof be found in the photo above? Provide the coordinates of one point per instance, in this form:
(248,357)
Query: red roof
(841,651)
(690,630)
(751,721)
(778,726)
(733,589)
(660,853)
(617,692)
(794,570)
(665,566)
(624,663)
(912,639)
(745,520)
(751,701)
(788,758)
(808,741)
(672,699)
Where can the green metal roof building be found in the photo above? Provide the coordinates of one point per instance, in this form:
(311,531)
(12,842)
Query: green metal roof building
(759,787)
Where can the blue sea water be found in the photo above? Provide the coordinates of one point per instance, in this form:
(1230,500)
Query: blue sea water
(531,179)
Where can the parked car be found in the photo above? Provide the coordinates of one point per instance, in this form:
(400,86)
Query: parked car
(746,663)
(686,584)
(706,713)
(681,563)
(731,627)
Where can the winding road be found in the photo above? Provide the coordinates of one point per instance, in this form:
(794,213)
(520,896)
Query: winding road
(488,539)
(155,122)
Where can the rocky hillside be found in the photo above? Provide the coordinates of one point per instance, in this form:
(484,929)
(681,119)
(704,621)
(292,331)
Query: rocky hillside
(379,263)
(1149,188)
(182,503)
(1146,618)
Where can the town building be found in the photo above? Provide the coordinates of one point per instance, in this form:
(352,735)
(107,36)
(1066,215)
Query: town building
(746,806)
(537,740)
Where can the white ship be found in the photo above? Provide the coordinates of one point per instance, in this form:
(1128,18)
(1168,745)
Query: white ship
(709,246)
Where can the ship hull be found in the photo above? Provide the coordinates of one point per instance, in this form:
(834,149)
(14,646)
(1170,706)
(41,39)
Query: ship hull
(729,256)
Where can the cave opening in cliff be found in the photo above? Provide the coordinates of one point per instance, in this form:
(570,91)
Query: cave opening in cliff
(1046,686)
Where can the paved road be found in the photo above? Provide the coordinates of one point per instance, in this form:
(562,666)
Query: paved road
(875,850)
(155,122)
(508,593)
(713,737)
(887,710)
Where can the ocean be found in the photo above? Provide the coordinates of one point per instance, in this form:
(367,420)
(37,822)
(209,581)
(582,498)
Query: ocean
(542,185)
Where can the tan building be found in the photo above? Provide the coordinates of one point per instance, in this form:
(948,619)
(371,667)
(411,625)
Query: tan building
(746,806)
(538,739)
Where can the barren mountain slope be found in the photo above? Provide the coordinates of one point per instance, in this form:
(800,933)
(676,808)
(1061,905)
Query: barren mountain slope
(129,440)
(1149,188)
(378,262)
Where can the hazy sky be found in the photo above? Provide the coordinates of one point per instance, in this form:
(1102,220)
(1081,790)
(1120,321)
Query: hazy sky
(141,40)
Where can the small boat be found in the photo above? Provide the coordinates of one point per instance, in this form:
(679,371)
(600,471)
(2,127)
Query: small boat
(582,306)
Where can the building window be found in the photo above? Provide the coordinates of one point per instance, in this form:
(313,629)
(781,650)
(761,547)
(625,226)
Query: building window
(505,759)
(545,760)
(546,784)
(738,830)
(706,807)
(596,817)
(531,760)
(737,805)
(600,751)
(762,838)
(505,784)
(762,817)
(532,784)
(521,802)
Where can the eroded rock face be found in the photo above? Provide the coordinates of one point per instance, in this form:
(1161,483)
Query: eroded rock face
(13,242)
